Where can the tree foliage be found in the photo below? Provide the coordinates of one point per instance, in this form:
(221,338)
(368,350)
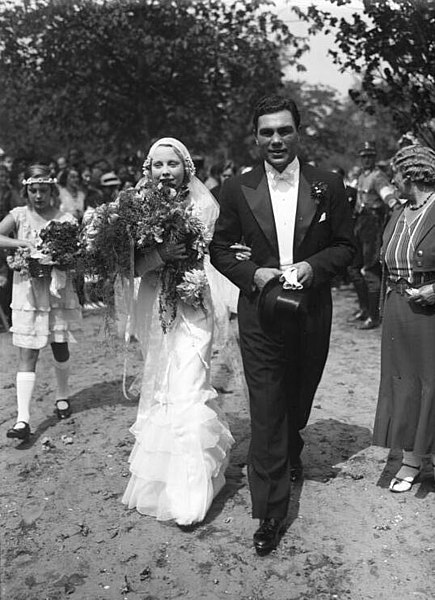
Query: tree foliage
(332,130)
(392,47)
(113,75)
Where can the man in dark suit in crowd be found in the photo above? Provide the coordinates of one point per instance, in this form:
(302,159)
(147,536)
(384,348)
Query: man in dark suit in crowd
(296,216)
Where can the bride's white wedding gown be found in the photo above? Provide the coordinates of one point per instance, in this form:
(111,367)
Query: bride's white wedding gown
(182,440)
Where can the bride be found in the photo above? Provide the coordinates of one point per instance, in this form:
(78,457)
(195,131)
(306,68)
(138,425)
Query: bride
(182,441)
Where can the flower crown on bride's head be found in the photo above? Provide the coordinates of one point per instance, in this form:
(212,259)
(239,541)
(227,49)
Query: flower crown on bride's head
(179,147)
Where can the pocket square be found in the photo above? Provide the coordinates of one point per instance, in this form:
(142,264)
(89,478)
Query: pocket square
(322,217)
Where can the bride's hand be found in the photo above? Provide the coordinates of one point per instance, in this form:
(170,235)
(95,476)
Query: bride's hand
(242,252)
(171,251)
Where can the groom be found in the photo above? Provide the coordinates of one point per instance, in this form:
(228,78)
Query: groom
(278,210)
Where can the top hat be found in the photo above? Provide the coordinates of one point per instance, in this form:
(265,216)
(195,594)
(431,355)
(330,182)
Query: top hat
(368,149)
(278,306)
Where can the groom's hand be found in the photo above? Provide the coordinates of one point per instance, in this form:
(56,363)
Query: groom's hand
(265,274)
(304,273)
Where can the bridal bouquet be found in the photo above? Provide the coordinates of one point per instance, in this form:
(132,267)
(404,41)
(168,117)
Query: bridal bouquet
(143,219)
(58,246)
(105,243)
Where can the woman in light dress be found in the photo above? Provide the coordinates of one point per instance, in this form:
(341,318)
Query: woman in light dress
(39,316)
(182,441)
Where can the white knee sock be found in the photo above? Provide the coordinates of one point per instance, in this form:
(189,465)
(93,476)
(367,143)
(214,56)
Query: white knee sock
(25,385)
(61,370)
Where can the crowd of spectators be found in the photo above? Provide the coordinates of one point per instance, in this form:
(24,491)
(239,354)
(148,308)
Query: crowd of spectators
(83,185)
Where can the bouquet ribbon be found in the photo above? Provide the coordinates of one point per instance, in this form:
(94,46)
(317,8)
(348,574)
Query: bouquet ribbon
(289,279)
(58,281)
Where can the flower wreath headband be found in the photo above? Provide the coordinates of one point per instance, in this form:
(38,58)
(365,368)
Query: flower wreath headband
(31,180)
(181,150)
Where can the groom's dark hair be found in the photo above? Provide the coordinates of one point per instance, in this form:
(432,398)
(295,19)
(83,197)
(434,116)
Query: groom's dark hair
(272,104)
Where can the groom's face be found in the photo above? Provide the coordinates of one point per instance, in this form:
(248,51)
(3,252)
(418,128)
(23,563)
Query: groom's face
(277,138)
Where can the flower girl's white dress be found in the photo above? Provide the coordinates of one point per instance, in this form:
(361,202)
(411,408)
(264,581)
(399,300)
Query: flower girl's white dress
(182,440)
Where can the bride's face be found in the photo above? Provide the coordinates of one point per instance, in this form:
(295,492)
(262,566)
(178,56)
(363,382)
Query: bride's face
(167,167)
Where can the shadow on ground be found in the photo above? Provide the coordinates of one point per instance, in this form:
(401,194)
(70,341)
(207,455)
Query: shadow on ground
(329,442)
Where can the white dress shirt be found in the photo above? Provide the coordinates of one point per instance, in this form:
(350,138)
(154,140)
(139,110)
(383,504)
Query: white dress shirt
(283,188)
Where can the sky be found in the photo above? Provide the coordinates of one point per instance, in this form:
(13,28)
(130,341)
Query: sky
(320,67)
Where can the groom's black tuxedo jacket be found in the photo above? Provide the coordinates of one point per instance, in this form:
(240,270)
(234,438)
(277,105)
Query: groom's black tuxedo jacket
(323,233)
(323,237)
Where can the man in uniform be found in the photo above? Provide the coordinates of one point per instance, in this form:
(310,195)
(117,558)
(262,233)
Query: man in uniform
(375,198)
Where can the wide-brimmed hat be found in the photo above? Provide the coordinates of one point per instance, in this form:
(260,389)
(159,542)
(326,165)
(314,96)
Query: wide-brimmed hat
(368,149)
(278,306)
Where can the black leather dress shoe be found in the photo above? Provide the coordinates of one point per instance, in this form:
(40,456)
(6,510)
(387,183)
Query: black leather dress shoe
(296,470)
(267,536)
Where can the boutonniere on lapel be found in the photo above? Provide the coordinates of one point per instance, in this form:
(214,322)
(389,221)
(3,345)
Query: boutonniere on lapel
(318,195)
(318,192)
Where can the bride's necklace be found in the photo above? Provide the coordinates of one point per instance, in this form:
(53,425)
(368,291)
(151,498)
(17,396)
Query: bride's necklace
(422,204)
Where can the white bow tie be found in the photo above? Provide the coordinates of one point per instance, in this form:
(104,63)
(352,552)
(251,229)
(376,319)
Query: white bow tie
(288,176)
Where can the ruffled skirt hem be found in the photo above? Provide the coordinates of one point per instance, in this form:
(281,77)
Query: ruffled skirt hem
(36,329)
(178,462)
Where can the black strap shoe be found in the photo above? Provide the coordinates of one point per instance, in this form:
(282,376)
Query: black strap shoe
(63,409)
(19,433)
(268,535)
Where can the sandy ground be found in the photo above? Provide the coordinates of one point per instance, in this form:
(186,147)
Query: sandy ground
(65,533)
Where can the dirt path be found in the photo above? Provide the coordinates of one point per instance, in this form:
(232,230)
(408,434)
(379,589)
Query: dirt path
(65,533)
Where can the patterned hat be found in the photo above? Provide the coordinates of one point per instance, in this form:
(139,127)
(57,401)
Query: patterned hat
(416,163)
(368,149)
